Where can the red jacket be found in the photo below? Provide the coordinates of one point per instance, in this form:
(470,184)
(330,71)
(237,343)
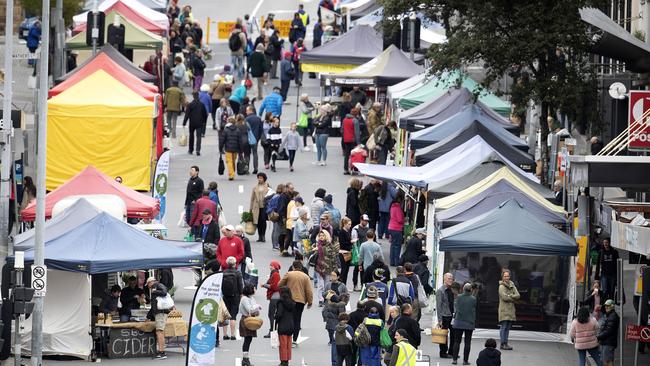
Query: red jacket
(273,281)
(350,129)
(230,247)
(200,205)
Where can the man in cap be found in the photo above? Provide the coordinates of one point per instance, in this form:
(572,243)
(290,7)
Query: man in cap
(378,278)
(414,247)
(230,245)
(370,301)
(158,290)
(608,333)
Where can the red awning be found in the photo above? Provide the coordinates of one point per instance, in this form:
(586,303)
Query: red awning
(92,181)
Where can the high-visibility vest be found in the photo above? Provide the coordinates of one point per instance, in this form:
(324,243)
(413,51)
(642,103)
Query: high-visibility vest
(305,18)
(407,354)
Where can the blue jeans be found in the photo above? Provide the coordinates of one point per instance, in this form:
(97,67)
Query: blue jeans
(395,246)
(504,330)
(321,146)
(384,218)
(595,354)
(237,65)
(608,285)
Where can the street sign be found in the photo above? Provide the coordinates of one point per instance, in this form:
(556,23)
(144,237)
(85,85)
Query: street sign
(39,280)
(639,333)
(26,56)
(639,137)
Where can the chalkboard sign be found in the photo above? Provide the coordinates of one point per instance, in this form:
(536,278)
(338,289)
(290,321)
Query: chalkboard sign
(131,343)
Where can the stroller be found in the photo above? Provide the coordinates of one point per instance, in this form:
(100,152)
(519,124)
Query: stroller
(357,155)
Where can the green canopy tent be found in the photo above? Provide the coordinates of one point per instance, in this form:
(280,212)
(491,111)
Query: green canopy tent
(134,36)
(435,87)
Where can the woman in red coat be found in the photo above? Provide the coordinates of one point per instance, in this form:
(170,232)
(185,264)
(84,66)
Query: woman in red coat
(272,293)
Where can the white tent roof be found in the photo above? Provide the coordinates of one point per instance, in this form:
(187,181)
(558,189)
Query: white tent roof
(401,89)
(452,164)
(146,12)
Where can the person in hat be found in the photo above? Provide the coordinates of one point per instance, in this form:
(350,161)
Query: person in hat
(156,290)
(230,245)
(272,293)
(414,247)
(378,278)
(372,300)
(200,205)
(608,333)
(209,228)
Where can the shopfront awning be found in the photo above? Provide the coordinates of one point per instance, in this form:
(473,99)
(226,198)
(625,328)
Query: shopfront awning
(626,172)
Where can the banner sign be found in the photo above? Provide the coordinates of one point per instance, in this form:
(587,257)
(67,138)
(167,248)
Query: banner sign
(639,136)
(161,182)
(224,29)
(203,322)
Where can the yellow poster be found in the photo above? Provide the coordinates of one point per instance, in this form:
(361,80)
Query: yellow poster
(283,27)
(224,29)
(582,259)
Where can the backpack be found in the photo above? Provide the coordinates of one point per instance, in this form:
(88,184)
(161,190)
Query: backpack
(234,42)
(229,285)
(335,217)
(362,336)
(401,300)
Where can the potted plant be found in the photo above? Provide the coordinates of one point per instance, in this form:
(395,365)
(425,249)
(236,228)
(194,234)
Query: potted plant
(247,220)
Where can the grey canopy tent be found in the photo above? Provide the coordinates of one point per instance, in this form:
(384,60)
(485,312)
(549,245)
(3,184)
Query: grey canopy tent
(117,57)
(389,68)
(464,118)
(492,197)
(358,46)
(439,109)
(509,228)
(515,154)
(470,177)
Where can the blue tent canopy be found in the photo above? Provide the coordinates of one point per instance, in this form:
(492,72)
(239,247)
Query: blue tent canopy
(468,115)
(106,244)
(508,229)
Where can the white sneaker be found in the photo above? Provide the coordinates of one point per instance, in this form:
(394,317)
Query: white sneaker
(322,163)
(306,148)
(315,163)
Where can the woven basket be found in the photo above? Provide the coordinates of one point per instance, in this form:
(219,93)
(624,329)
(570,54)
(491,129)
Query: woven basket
(439,336)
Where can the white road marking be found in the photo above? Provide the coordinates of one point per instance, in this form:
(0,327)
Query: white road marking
(257,7)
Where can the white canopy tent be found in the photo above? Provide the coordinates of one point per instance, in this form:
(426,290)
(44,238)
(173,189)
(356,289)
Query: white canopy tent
(154,16)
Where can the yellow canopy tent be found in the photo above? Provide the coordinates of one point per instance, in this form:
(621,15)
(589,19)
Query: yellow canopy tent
(101,122)
(502,174)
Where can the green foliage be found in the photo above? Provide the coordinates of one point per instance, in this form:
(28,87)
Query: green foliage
(70,8)
(246,216)
(542,44)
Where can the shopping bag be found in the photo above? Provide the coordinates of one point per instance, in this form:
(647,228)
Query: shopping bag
(355,255)
(165,302)
(275,340)
(182,139)
(222,217)
(181,220)
(222,165)
(384,339)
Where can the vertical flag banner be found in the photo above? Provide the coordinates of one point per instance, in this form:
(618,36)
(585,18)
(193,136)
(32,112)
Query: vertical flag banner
(161,181)
(203,322)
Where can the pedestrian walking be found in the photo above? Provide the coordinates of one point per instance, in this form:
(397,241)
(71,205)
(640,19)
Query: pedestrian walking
(305,120)
(327,261)
(322,125)
(370,353)
(198,69)
(595,300)
(406,322)
(350,135)
(333,305)
(266,126)
(231,145)
(222,114)
(232,287)
(584,329)
(608,333)
(379,279)
(197,116)
(464,323)
(371,274)
(606,268)
(301,292)
(256,127)
(291,216)
(287,73)
(403,353)
(345,248)
(200,205)
(237,45)
(275,140)
(508,294)
(245,147)
(272,294)
(273,52)
(395,228)
(230,245)
(420,299)
(284,317)
(248,308)
(352,201)
(369,202)
(301,231)
(291,142)
(33,40)
(387,194)
(272,103)
(445,312)
(298,48)
(158,290)
(238,95)
(174,103)
(258,68)
(343,335)
(206,100)
(217,93)
(422,270)
(259,194)
(490,355)
(368,250)
(193,192)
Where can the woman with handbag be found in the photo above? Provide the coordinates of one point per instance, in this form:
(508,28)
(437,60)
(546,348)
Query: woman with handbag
(284,320)
(250,321)
(258,205)
(305,121)
(327,261)
(322,125)
(345,248)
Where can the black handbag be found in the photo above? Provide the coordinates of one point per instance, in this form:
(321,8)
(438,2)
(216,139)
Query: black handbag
(222,165)
(242,167)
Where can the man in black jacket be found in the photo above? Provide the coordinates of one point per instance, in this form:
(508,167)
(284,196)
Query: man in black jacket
(608,334)
(257,128)
(369,272)
(197,115)
(257,68)
(193,191)
(231,144)
(422,270)
(198,69)
(414,249)
(411,326)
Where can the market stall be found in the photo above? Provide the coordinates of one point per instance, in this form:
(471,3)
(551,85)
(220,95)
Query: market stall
(135,37)
(92,181)
(154,21)
(113,131)
(114,55)
(103,244)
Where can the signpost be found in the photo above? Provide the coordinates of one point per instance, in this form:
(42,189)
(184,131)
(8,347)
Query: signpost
(639,136)
(637,333)
(39,280)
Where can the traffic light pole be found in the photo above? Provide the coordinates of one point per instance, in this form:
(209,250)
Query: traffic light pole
(17,340)
(41,150)
(6,156)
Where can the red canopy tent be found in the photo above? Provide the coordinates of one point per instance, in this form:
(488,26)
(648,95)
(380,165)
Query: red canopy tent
(104,62)
(131,15)
(92,181)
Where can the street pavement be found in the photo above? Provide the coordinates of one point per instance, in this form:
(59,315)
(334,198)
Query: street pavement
(235,196)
